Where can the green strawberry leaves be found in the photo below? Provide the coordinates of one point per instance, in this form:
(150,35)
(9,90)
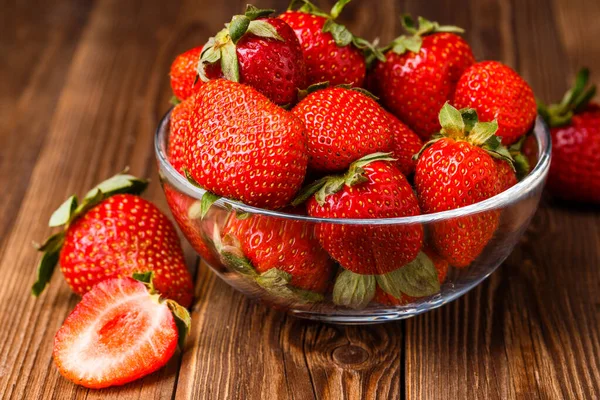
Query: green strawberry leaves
(277,282)
(222,47)
(51,249)
(64,213)
(521,162)
(418,278)
(574,101)
(199,210)
(253,12)
(69,211)
(415,31)
(237,27)
(264,29)
(451,121)
(332,184)
(353,290)
(208,199)
(183,321)
(465,125)
(341,35)
(181,315)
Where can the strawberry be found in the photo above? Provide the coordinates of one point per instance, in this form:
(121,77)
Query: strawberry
(342,125)
(114,233)
(186,210)
(387,254)
(575,129)
(290,247)
(331,52)
(371,188)
(406,144)
(244,147)
(506,174)
(184,81)
(119,332)
(179,129)
(258,51)
(455,170)
(497,92)
(420,73)
(441,267)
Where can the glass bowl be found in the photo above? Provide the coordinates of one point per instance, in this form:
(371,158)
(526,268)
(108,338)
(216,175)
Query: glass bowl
(230,228)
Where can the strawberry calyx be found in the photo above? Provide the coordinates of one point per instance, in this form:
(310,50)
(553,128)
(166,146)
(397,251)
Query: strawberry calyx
(274,280)
(341,35)
(521,162)
(181,315)
(69,211)
(302,93)
(208,198)
(332,184)
(418,278)
(413,40)
(353,290)
(464,125)
(575,100)
(222,47)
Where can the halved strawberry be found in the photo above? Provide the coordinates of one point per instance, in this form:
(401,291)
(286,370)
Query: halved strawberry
(119,332)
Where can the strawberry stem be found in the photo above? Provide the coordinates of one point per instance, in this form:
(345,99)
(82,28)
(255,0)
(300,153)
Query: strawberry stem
(332,184)
(413,41)
(575,100)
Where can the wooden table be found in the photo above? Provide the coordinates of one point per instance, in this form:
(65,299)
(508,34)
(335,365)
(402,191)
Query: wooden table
(82,86)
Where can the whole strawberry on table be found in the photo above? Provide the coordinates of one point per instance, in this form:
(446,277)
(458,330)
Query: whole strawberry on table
(274,113)
(575,128)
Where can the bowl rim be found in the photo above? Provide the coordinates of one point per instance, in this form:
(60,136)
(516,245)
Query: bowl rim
(522,190)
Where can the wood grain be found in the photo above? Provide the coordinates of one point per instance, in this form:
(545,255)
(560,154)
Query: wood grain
(82,86)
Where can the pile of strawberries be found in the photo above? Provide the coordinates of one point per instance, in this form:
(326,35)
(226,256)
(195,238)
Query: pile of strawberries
(295,113)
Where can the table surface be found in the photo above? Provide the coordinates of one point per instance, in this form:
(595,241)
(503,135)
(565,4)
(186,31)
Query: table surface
(82,86)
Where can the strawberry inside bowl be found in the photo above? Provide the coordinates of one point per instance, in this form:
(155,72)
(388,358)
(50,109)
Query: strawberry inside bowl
(332,258)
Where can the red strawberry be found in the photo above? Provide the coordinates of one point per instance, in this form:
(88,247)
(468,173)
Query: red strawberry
(575,128)
(184,75)
(258,51)
(244,147)
(286,245)
(506,174)
(441,267)
(420,73)
(372,188)
(332,54)
(457,170)
(342,125)
(119,332)
(406,144)
(179,129)
(497,92)
(185,210)
(113,235)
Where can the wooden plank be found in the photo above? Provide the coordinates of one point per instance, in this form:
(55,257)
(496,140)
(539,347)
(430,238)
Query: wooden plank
(104,119)
(37,40)
(531,330)
(266,354)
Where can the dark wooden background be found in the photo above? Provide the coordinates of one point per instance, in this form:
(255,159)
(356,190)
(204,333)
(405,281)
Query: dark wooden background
(82,86)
